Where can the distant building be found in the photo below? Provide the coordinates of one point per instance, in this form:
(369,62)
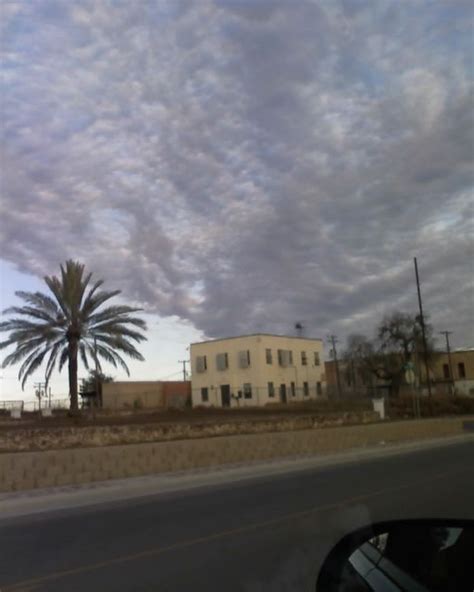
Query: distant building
(462,375)
(256,370)
(145,394)
(354,382)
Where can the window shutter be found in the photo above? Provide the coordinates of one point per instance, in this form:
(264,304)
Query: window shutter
(244,359)
(221,361)
(200,364)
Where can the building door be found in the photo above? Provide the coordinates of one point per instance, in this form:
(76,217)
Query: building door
(225,395)
(283,393)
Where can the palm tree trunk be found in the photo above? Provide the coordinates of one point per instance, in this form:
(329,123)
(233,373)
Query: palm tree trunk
(72,366)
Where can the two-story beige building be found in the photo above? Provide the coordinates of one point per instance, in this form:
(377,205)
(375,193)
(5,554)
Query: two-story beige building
(256,370)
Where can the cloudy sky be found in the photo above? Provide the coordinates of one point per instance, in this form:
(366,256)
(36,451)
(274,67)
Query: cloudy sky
(239,165)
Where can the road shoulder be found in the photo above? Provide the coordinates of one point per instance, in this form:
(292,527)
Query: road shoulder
(53,499)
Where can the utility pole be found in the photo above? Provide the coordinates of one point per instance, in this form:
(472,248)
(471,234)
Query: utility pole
(423,334)
(448,349)
(333,340)
(40,391)
(184,362)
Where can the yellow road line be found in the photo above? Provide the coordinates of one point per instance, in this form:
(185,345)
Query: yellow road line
(25,585)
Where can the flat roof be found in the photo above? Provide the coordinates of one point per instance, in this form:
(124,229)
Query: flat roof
(257,335)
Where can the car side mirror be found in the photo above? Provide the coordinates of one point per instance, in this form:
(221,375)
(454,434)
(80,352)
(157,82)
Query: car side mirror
(406,555)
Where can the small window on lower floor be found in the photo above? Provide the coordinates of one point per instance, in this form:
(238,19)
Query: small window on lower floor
(204,394)
(271,389)
(247,390)
(461,370)
(319,390)
(305,389)
(293,390)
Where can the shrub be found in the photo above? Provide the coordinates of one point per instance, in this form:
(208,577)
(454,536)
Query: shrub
(438,406)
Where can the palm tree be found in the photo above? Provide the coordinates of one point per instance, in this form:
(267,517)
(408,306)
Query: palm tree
(69,323)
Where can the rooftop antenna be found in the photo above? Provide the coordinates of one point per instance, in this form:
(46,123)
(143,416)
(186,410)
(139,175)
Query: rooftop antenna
(299,329)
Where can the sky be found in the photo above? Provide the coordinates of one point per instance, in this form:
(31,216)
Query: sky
(237,166)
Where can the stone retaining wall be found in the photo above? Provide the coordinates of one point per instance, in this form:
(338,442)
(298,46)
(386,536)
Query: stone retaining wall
(29,470)
(46,437)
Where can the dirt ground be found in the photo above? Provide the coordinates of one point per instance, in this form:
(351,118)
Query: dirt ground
(102,417)
(46,436)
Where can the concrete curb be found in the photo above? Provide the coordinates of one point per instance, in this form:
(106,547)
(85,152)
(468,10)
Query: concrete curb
(13,505)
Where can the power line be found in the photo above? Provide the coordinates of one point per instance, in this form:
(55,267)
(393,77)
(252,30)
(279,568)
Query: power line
(169,375)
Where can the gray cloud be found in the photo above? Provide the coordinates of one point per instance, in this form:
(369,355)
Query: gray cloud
(244,165)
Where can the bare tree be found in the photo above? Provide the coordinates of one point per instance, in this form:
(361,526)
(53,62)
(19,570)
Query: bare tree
(398,342)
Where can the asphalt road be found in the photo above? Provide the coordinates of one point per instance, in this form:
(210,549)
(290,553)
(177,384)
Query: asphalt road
(269,534)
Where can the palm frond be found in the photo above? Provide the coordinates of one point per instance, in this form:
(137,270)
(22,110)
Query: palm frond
(35,313)
(39,300)
(27,361)
(111,356)
(97,300)
(118,313)
(121,344)
(19,324)
(82,351)
(22,350)
(53,357)
(55,286)
(36,363)
(90,350)
(63,358)
(88,302)
(117,328)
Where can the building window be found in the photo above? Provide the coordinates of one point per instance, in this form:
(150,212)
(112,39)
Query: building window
(446,371)
(204,394)
(285,357)
(244,359)
(247,390)
(293,390)
(319,390)
(271,389)
(461,370)
(222,361)
(305,389)
(201,364)
(316,359)
(304,359)
(268,356)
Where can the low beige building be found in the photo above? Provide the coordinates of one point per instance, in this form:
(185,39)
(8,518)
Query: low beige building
(256,370)
(145,394)
(456,369)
